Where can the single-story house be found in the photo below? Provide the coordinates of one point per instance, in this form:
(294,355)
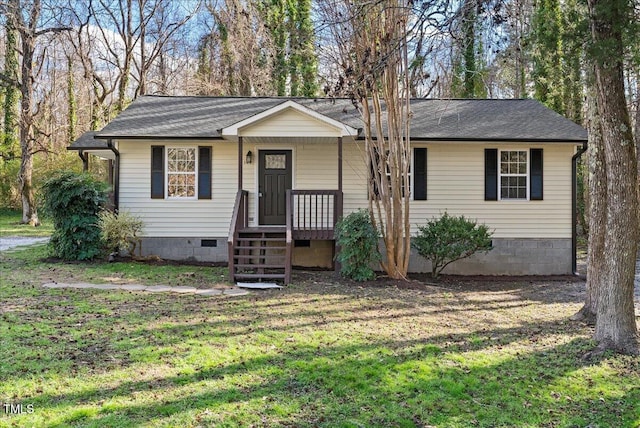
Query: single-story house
(259,182)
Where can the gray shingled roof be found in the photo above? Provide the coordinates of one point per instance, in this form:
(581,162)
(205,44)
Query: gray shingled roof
(87,141)
(203,117)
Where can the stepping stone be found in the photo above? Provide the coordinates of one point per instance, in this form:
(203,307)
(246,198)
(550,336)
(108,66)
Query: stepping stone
(258,285)
(184,289)
(104,286)
(133,287)
(209,292)
(235,292)
(158,288)
(54,285)
(80,285)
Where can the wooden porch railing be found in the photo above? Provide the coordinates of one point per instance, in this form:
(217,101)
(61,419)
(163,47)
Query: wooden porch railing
(239,220)
(313,214)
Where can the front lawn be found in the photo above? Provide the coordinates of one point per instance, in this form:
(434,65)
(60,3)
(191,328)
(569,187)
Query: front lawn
(317,353)
(10,225)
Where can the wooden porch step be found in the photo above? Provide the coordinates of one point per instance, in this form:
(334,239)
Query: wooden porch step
(260,266)
(270,229)
(260,275)
(252,247)
(252,239)
(273,258)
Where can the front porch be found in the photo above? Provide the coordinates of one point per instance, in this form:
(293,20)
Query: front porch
(258,253)
(288,203)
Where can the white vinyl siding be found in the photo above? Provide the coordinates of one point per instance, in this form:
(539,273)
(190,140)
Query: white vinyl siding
(289,123)
(455,184)
(178,217)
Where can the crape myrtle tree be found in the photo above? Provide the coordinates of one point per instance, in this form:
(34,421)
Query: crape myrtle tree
(371,44)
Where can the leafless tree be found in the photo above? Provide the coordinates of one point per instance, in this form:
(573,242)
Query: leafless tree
(235,54)
(28,20)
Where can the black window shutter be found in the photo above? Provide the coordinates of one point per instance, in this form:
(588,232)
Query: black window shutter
(419,174)
(204,172)
(157,172)
(535,174)
(490,174)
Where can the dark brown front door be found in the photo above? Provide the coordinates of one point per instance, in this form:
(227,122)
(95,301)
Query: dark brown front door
(274,172)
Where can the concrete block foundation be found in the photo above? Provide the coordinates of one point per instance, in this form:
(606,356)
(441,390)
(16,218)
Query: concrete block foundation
(189,249)
(509,256)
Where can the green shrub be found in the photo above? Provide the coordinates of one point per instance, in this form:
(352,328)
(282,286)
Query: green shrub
(119,232)
(358,240)
(73,202)
(447,239)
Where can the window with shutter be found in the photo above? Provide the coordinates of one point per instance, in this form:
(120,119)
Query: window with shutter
(181,172)
(513,174)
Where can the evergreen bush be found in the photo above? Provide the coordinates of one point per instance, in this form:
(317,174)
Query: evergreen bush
(73,202)
(358,240)
(448,239)
(119,232)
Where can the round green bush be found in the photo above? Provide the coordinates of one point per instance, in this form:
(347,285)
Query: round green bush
(73,202)
(358,240)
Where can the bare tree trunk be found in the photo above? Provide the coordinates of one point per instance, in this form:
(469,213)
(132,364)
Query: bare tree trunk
(9,145)
(596,258)
(637,134)
(615,320)
(27,34)
(125,72)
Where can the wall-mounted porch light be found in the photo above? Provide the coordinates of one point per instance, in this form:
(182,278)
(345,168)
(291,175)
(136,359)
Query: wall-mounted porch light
(249,157)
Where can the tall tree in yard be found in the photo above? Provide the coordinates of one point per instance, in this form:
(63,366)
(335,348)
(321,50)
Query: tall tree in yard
(615,320)
(547,55)
(26,17)
(597,215)
(468,66)
(233,56)
(9,144)
(294,57)
(373,51)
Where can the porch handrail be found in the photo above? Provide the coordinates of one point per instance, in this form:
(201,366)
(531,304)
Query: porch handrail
(239,216)
(289,238)
(239,220)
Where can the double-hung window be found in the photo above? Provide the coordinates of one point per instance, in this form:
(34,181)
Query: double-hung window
(377,166)
(514,173)
(181,172)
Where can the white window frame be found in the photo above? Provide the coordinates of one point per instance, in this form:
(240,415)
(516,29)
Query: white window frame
(167,173)
(527,175)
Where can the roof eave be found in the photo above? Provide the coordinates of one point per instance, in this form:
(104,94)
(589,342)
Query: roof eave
(498,140)
(158,137)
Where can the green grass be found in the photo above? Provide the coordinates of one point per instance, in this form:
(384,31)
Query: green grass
(317,353)
(10,225)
